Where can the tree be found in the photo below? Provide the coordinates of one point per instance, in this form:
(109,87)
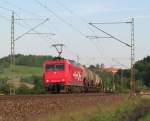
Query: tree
(143,70)
(26,60)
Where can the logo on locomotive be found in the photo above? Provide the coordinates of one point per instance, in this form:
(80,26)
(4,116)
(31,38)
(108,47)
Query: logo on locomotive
(77,76)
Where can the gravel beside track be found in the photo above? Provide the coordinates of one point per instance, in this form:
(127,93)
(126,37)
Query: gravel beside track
(29,107)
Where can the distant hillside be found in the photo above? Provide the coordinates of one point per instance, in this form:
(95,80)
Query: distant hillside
(26,65)
(21,71)
(25,60)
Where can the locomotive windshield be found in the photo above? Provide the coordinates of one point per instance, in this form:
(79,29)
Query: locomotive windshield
(54,67)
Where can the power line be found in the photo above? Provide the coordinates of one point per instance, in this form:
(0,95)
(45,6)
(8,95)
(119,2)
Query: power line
(132,81)
(72,12)
(103,37)
(98,49)
(64,40)
(66,8)
(31,29)
(69,23)
(96,37)
(4,17)
(35,32)
(13,39)
(6,9)
(109,35)
(61,4)
(23,20)
(99,52)
(10,4)
(30,19)
(84,20)
(117,22)
(117,62)
(24,10)
(39,34)
(19,8)
(42,33)
(26,19)
(59,17)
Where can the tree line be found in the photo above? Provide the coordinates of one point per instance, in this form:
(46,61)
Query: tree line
(122,77)
(26,60)
(142,72)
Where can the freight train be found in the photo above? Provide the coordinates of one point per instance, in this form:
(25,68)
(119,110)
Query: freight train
(62,75)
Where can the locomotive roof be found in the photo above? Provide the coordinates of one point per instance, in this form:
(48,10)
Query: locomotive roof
(74,63)
(51,60)
(63,60)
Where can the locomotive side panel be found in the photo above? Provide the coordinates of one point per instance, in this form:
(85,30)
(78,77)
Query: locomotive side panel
(76,76)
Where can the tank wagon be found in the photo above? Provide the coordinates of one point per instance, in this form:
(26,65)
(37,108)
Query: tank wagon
(68,76)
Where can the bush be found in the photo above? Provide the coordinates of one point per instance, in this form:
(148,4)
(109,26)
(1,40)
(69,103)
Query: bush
(115,112)
(38,85)
(24,90)
(4,87)
(29,79)
(122,88)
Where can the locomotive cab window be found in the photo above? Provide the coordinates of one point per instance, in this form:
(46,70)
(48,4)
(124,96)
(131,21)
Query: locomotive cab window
(54,67)
(59,67)
(50,67)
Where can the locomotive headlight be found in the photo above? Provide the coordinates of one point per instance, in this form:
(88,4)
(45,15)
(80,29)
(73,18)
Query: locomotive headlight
(47,81)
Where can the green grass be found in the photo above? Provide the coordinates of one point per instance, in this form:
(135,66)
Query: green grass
(114,112)
(111,112)
(21,71)
(146,97)
(146,117)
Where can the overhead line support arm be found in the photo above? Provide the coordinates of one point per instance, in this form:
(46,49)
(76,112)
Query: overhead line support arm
(31,29)
(109,35)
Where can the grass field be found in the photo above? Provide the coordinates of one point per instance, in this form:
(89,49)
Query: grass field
(118,111)
(146,117)
(21,71)
(15,78)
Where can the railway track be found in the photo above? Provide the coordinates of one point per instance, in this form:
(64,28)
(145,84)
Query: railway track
(56,95)
(29,107)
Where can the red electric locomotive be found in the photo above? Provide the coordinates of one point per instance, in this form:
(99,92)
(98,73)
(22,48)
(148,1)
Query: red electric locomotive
(62,75)
(68,76)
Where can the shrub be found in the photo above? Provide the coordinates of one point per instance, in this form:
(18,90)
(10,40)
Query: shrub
(38,85)
(4,87)
(24,90)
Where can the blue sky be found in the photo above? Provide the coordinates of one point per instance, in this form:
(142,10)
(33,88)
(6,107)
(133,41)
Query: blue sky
(69,21)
